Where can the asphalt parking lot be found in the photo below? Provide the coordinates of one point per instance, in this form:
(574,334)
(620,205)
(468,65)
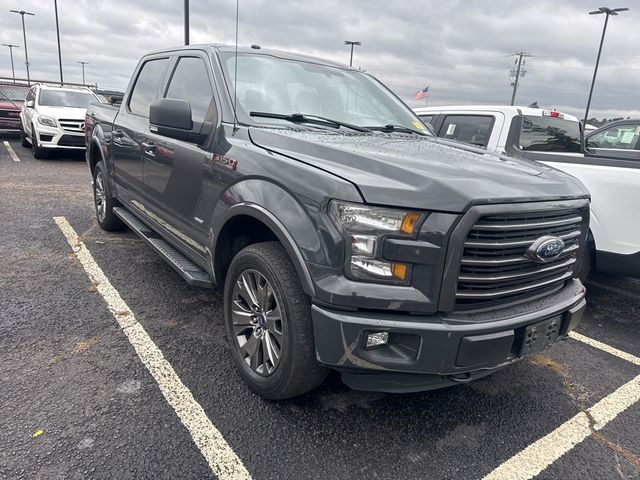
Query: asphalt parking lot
(148,390)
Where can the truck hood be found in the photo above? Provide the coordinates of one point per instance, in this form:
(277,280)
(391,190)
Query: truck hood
(420,172)
(68,113)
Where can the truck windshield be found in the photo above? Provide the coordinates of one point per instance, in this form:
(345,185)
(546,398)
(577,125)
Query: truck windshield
(285,87)
(65,98)
(549,134)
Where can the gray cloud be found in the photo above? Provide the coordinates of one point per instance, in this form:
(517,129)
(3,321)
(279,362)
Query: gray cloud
(461,49)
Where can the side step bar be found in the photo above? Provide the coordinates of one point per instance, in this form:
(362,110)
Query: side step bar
(192,273)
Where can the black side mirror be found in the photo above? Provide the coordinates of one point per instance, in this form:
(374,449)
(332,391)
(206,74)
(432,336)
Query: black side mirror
(172,118)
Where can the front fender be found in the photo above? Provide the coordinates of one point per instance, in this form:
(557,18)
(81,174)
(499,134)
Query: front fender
(303,229)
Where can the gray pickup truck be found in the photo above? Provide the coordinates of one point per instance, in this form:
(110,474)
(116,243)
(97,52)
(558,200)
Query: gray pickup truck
(346,236)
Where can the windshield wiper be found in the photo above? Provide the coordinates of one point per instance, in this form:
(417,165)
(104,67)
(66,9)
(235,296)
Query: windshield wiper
(306,118)
(397,128)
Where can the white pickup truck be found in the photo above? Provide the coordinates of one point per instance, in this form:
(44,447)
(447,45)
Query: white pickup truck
(609,166)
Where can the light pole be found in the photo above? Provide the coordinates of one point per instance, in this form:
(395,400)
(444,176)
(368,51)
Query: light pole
(83,64)
(348,42)
(11,46)
(22,13)
(608,12)
(55,6)
(186,22)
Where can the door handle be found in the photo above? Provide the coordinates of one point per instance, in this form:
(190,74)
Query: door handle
(149,148)
(117,135)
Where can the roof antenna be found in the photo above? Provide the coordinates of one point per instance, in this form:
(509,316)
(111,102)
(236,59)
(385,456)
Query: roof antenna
(235,76)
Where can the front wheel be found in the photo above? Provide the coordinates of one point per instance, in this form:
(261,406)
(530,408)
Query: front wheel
(38,152)
(23,137)
(103,200)
(268,324)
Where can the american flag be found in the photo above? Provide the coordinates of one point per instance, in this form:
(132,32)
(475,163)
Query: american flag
(424,93)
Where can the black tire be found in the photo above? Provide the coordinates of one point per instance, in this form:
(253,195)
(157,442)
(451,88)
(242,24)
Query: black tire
(23,138)
(102,198)
(585,264)
(38,152)
(298,371)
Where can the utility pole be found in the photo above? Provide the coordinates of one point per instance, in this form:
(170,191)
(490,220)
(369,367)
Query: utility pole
(348,42)
(11,47)
(608,12)
(186,22)
(55,6)
(22,13)
(83,64)
(518,72)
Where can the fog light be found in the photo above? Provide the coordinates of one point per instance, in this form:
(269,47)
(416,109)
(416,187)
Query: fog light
(377,339)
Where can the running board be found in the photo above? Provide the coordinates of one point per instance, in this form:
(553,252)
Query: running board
(192,273)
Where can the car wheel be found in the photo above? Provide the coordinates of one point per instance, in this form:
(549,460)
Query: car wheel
(585,264)
(23,137)
(268,324)
(103,201)
(38,152)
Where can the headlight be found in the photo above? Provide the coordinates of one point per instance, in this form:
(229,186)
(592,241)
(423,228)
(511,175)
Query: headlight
(47,121)
(364,228)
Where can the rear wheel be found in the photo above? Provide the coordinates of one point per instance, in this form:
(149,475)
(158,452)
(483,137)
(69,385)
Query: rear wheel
(585,264)
(268,323)
(38,152)
(103,201)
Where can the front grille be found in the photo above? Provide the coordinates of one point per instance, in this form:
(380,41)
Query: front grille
(71,125)
(494,268)
(71,141)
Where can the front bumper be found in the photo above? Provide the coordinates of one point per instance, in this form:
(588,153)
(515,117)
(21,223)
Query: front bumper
(426,352)
(54,137)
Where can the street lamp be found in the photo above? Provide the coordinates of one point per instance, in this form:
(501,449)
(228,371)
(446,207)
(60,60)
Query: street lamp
(11,46)
(608,12)
(348,42)
(22,13)
(83,64)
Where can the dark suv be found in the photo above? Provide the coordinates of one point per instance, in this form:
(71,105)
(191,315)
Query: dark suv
(344,234)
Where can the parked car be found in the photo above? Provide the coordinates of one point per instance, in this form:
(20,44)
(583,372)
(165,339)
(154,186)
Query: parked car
(610,171)
(344,234)
(53,118)
(12,97)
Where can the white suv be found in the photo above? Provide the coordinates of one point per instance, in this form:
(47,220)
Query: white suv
(53,118)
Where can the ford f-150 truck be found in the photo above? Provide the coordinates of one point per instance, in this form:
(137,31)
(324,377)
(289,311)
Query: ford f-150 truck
(345,235)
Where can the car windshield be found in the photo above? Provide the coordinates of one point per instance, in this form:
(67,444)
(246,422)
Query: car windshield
(275,85)
(65,98)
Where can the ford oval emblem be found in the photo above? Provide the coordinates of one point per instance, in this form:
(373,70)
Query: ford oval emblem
(545,249)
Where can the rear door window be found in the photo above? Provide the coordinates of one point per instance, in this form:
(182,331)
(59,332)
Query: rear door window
(190,82)
(472,129)
(145,90)
(549,134)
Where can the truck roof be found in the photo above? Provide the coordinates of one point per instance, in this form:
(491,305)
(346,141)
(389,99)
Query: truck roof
(255,51)
(507,109)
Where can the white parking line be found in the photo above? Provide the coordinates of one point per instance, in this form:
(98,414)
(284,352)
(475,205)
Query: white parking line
(542,453)
(12,153)
(223,461)
(539,455)
(605,348)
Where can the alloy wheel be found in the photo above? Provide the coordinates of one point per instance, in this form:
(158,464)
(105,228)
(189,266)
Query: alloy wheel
(257,322)
(100,196)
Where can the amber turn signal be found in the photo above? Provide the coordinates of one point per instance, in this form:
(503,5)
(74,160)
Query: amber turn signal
(409,222)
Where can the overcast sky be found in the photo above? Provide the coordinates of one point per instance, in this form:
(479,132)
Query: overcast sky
(462,49)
